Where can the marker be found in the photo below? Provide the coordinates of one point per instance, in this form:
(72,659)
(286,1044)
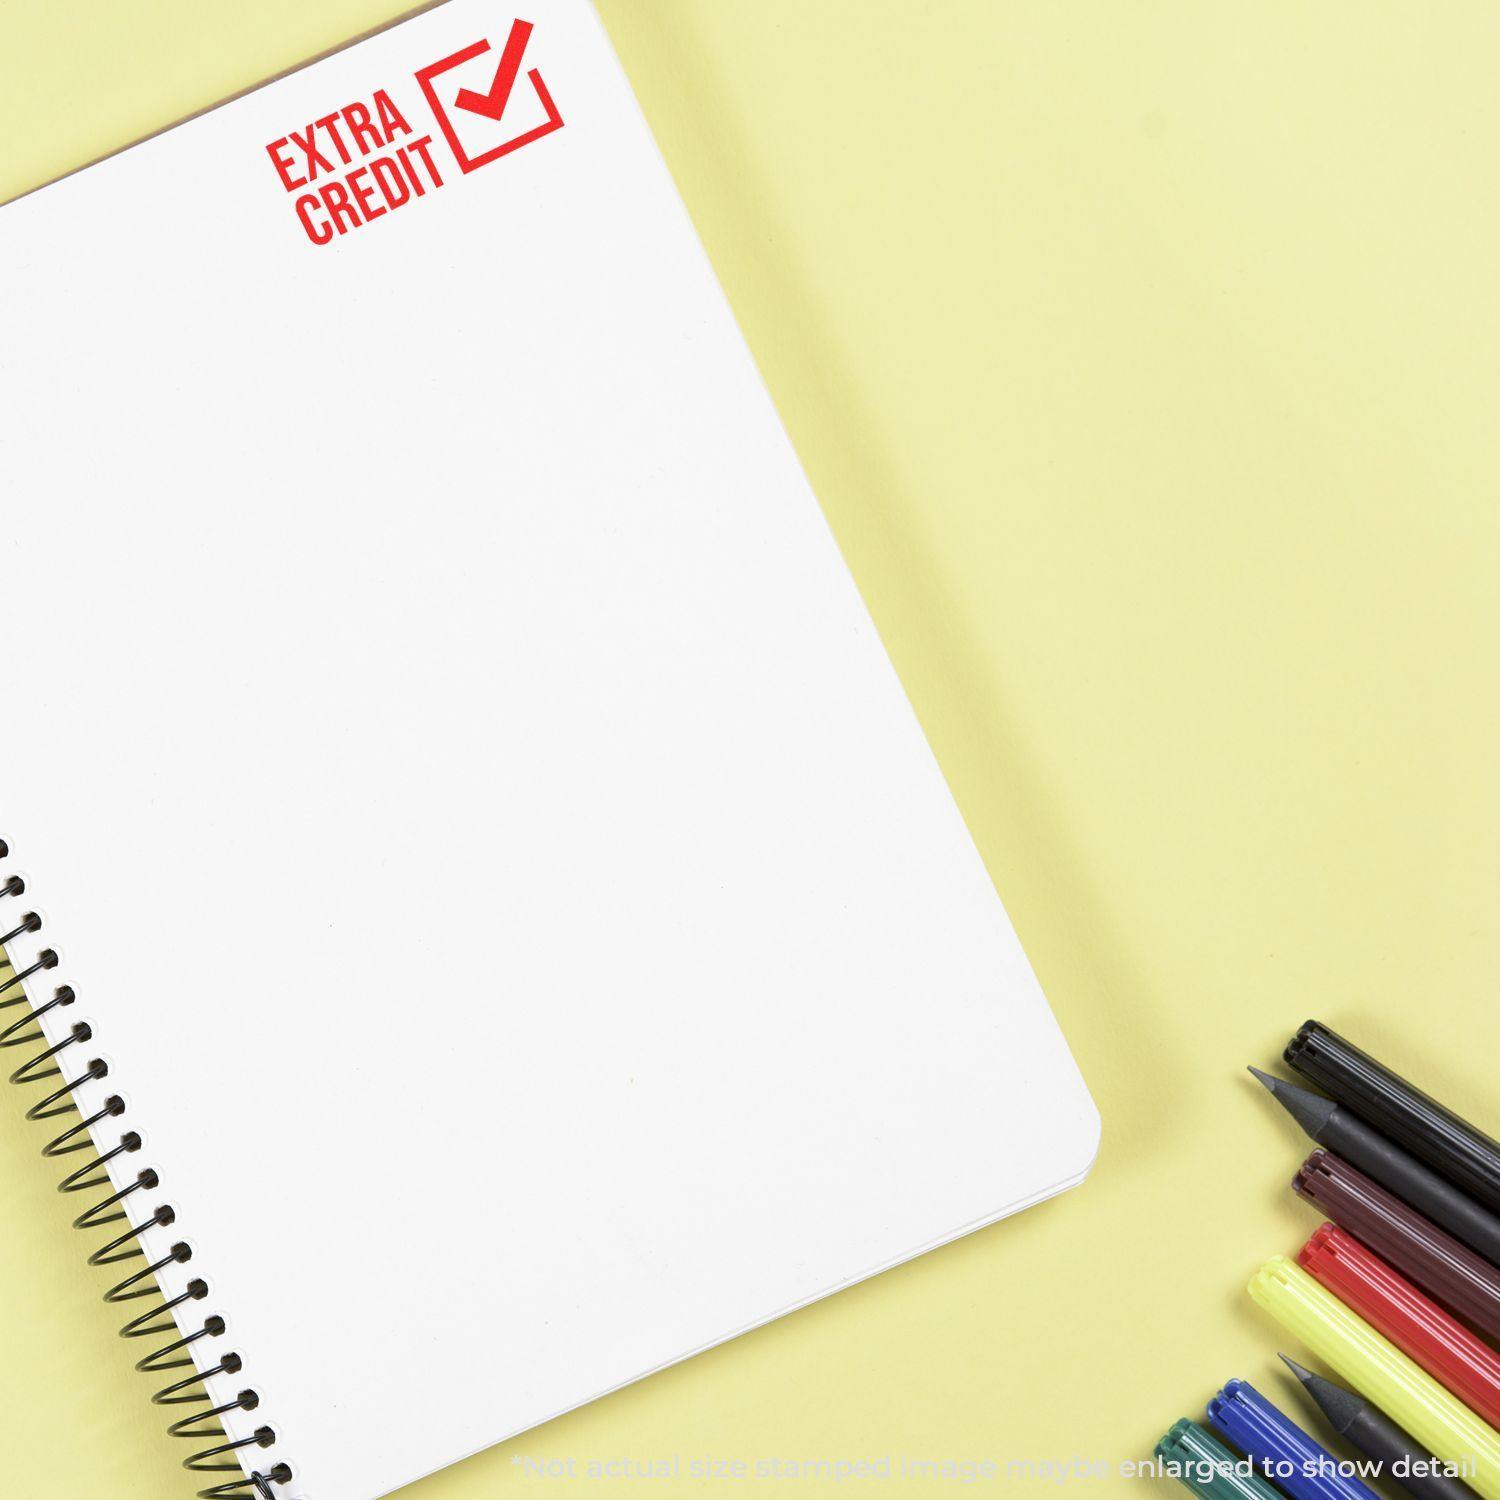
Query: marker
(1398,1171)
(1450,1273)
(1404,1391)
(1282,1451)
(1461,1152)
(1207,1467)
(1415,1324)
(1364,1427)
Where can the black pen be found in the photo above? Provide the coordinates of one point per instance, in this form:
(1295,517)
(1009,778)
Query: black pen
(1451,1146)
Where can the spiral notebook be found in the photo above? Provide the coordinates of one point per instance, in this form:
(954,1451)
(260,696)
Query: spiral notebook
(487,899)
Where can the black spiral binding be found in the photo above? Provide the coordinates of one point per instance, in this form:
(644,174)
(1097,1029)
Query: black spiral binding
(223,1455)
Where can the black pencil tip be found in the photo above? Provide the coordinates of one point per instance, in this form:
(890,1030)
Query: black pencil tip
(1311,1111)
(1341,1407)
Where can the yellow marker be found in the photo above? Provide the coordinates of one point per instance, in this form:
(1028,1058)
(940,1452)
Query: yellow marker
(1405,1392)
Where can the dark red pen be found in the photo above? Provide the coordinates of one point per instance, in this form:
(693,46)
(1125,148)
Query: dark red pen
(1452,1274)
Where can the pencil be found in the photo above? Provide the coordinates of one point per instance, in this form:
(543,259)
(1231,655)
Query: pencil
(1363,1426)
(1396,1170)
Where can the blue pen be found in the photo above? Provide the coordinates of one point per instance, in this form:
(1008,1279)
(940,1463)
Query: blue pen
(1285,1454)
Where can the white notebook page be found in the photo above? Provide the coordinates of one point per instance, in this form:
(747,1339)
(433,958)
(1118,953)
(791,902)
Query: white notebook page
(468,795)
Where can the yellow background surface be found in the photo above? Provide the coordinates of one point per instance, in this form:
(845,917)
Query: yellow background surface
(1145,359)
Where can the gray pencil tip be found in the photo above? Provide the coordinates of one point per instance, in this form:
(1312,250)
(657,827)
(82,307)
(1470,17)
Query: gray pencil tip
(1341,1407)
(1311,1111)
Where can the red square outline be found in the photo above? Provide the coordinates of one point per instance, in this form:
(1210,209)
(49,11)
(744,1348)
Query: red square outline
(467,163)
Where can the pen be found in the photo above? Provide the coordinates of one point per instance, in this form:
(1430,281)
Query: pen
(1413,1323)
(1282,1451)
(1464,1154)
(1452,1274)
(1365,1427)
(1404,1391)
(1202,1463)
(1343,1132)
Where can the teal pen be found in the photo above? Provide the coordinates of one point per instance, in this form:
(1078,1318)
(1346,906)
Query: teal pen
(1197,1459)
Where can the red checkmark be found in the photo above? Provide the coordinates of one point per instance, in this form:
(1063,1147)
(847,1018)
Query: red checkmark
(492,105)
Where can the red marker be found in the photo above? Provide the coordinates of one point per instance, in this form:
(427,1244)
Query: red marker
(1412,1322)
